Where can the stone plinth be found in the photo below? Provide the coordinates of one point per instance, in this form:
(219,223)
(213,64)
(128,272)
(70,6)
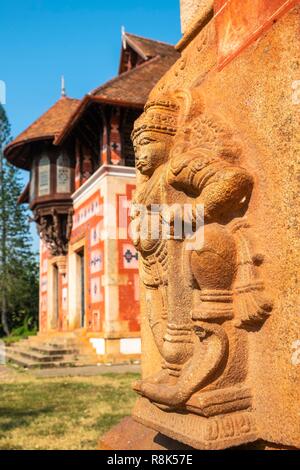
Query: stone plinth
(221,321)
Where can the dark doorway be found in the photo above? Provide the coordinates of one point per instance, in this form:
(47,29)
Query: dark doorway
(56,296)
(81,263)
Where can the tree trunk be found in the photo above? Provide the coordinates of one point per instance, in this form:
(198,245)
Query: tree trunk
(4,319)
(4,316)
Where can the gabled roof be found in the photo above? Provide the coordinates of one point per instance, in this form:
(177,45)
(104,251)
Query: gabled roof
(134,86)
(148,48)
(48,126)
(131,88)
(128,89)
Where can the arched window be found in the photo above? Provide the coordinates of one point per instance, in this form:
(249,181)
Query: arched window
(63,174)
(44,176)
(32,182)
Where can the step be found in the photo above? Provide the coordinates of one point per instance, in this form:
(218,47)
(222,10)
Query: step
(29,364)
(26,352)
(60,343)
(27,356)
(42,352)
(50,351)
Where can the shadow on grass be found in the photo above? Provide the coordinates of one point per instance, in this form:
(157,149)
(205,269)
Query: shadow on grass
(62,413)
(14,418)
(107,421)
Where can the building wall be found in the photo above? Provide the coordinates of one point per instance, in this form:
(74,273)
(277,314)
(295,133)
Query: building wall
(100,228)
(43,286)
(87,223)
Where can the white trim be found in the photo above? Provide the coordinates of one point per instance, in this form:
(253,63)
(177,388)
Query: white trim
(130,346)
(104,170)
(99,345)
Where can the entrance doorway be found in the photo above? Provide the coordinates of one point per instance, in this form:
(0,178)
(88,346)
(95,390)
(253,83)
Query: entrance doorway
(81,286)
(55,297)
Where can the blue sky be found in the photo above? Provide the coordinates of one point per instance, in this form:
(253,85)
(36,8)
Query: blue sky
(42,39)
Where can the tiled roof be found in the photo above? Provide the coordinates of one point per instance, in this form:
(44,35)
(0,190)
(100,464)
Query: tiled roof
(149,48)
(48,126)
(134,86)
(130,89)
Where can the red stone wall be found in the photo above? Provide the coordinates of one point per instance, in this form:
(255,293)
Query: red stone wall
(87,233)
(43,286)
(87,225)
(128,267)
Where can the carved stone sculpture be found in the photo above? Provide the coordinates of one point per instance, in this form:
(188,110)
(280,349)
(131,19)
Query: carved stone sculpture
(201,301)
(221,319)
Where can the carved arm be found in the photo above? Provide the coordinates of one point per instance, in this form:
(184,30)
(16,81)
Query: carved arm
(223,189)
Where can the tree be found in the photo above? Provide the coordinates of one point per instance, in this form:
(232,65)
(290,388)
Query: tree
(18,263)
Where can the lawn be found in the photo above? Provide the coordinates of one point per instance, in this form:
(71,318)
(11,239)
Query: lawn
(62,413)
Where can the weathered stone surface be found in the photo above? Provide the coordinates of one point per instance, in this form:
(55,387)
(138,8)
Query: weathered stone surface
(239,24)
(130,435)
(190,9)
(221,322)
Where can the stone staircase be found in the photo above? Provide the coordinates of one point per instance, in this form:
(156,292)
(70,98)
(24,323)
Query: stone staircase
(45,352)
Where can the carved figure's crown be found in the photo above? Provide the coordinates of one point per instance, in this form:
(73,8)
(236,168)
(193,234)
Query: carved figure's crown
(159,116)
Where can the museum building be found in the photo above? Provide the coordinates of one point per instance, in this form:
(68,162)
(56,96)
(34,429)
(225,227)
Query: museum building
(82,177)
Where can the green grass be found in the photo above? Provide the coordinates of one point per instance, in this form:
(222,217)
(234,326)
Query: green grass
(18,334)
(62,413)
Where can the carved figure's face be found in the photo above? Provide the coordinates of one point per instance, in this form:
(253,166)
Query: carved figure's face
(151,150)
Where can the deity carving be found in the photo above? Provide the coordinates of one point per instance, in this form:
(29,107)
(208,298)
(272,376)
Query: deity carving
(201,302)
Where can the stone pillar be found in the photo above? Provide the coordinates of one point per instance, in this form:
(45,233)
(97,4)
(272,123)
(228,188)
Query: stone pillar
(110,280)
(189,9)
(221,322)
(61,262)
(73,287)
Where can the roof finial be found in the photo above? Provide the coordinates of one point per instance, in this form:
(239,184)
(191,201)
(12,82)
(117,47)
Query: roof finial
(63,87)
(123,33)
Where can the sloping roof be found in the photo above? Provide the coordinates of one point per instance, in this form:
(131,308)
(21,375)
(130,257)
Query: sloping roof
(134,86)
(130,89)
(149,48)
(48,126)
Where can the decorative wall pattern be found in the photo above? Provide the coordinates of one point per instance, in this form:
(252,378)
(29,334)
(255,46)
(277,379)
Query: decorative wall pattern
(128,266)
(87,233)
(43,286)
(87,225)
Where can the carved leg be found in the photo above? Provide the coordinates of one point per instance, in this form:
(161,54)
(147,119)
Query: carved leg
(157,316)
(156,312)
(208,357)
(213,268)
